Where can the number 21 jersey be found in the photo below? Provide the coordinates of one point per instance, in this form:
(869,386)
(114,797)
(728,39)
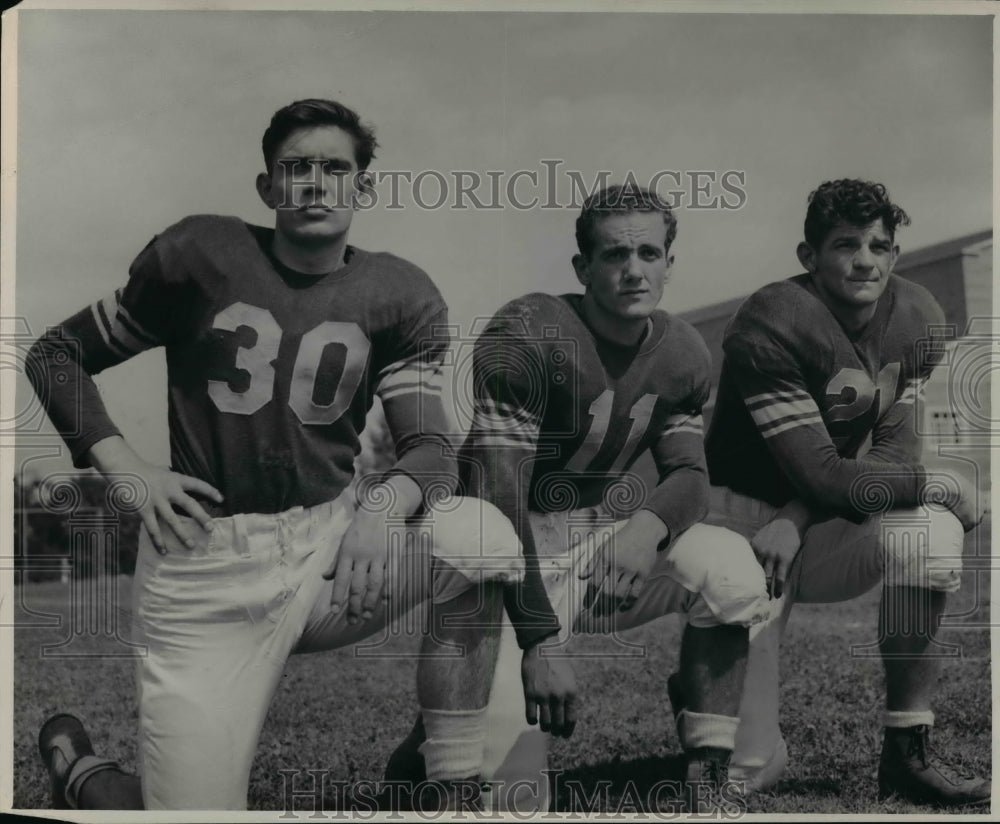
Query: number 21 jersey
(807,410)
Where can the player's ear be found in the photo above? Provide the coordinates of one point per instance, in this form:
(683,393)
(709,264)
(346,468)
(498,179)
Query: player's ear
(264,189)
(895,254)
(669,270)
(582,268)
(807,257)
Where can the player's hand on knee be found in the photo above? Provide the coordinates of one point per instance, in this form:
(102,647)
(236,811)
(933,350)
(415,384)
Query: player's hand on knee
(776,545)
(620,567)
(164,490)
(549,691)
(359,572)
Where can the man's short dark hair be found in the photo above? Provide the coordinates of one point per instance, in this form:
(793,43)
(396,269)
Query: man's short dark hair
(857,202)
(307,114)
(621,199)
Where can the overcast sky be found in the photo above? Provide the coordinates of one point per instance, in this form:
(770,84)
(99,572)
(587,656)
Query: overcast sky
(129,121)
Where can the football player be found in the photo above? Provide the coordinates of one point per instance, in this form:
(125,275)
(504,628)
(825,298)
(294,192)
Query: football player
(569,391)
(813,455)
(253,545)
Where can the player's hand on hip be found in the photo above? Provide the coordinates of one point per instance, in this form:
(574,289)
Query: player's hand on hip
(776,545)
(164,489)
(549,691)
(618,569)
(359,572)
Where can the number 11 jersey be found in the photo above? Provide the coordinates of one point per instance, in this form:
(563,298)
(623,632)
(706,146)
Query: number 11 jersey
(582,409)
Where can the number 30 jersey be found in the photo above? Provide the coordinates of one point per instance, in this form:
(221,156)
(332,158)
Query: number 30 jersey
(806,410)
(270,372)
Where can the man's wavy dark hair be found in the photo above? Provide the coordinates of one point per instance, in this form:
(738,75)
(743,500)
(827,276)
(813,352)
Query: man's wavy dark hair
(621,199)
(857,202)
(307,114)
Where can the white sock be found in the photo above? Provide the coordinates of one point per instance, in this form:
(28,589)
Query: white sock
(455,743)
(702,729)
(907,718)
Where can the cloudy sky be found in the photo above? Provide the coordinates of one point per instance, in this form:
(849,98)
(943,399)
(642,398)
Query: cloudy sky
(130,120)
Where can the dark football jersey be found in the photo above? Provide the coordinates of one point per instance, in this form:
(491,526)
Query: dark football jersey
(270,372)
(577,411)
(806,410)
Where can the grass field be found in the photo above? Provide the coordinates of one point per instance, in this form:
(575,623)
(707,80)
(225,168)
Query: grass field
(342,714)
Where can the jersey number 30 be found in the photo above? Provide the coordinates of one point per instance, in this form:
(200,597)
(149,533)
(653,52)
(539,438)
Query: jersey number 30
(257,360)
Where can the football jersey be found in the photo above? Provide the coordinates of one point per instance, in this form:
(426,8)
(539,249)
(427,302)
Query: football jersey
(807,410)
(270,372)
(578,411)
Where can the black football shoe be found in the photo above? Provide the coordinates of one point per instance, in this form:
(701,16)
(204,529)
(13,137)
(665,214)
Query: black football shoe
(406,762)
(62,741)
(707,788)
(908,770)
(404,772)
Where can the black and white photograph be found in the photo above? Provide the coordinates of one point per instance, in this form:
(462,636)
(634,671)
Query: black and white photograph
(482,411)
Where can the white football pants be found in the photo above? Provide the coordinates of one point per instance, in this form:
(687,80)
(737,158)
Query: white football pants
(220,620)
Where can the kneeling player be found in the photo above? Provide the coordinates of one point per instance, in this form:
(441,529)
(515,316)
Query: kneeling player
(276,342)
(569,392)
(813,455)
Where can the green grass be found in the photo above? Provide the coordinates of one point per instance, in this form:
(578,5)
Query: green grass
(336,712)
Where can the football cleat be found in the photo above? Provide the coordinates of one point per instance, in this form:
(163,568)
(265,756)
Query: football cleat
(749,779)
(707,788)
(62,741)
(406,763)
(907,770)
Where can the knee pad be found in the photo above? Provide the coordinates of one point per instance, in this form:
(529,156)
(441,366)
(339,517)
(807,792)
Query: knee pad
(472,534)
(922,547)
(719,565)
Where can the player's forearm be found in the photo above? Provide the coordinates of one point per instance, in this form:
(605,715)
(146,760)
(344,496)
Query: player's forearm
(895,438)
(428,462)
(399,492)
(528,607)
(650,524)
(425,449)
(526,601)
(68,392)
(862,487)
(798,513)
(111,455)
(851,487)
(681,499)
